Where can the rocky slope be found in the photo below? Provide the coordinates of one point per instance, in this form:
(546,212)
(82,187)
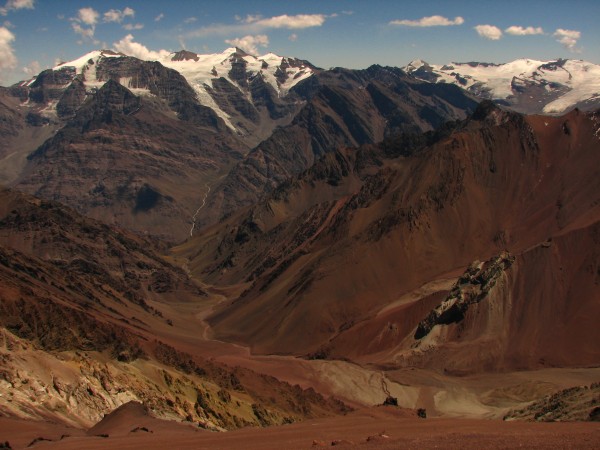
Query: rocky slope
(580,403)
(525,85)
(334,255)
(85,317)
(344,108)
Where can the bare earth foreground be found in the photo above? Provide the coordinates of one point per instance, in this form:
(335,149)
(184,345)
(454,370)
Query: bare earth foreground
(377,428)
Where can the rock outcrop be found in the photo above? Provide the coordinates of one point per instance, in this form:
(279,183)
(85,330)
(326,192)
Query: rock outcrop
(472,287)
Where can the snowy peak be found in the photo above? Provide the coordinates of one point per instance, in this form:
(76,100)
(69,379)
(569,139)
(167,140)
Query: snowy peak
(88,59)
(230,83)
(235,65)
(200,69)
(526,85)
(415,65)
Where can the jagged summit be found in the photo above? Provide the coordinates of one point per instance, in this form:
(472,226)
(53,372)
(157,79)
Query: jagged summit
(185,55)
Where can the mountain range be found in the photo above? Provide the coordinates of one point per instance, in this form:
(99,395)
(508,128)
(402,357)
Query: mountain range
(525,85)
(233,241)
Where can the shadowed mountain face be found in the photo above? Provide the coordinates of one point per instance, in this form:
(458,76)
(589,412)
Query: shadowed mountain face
(344,108)
(92,305)
(129,160)
(334,255)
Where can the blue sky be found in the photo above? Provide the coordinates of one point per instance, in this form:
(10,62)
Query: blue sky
(34,34)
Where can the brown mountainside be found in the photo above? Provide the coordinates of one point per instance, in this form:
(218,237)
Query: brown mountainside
(338,253)
(87,323)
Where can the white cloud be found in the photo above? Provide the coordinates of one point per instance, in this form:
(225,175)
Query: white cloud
(430,21)
(520,31)
(89,16)
(257,24)
(293,37)
(568,38)
(8,60)
(116,15)
(159,17)
(130,48)
(249,18)
(489,32)
(32,69)
(133,26)
(250,43)
(190,20)
(84,32)
(12,5)
(291,22)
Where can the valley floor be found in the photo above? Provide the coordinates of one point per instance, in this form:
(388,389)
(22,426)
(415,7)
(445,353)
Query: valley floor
(372,428)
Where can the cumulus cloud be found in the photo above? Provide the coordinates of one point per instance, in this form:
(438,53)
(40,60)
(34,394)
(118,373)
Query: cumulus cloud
(430,21)
(257,24)
(133,26)
(489,32)
(131,48)
(250,43)
(85,23)
(116,15)
(568,38)
(12,5)
(159,17)
(88,16)
(190,20)
(8,60)
(83,32)
(520,31)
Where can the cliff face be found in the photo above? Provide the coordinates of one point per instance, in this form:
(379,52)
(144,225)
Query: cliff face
(327,253)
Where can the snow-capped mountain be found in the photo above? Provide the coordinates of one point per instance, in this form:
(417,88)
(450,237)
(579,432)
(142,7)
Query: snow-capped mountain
(207,74)
(525,85)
